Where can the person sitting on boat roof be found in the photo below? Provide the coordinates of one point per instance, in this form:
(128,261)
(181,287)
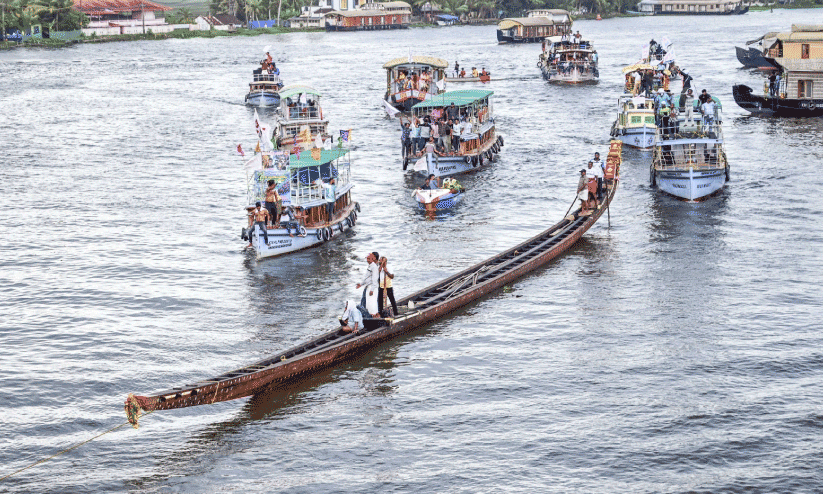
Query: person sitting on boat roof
(370,283)
(351,320)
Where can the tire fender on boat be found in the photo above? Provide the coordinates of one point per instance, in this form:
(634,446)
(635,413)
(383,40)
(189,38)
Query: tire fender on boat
(500,140)
(405,163)
(325,234)
(652,176)
(340,226)
(357,206)
(348,221)
(302,231)
(319,234)
(728,173)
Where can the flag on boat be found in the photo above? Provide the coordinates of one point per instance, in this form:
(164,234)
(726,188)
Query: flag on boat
(240,150)
(305,137)
(390,110)
(255,163)
(422,165)
(257,123)
(345,135)
(257,148)
(437,113)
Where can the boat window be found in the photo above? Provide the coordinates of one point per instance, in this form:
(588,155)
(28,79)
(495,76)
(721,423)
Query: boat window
(636,119)
(804,51)
(650,120)
(804,88)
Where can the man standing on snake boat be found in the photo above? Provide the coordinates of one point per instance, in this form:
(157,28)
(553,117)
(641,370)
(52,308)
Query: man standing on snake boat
(370,283)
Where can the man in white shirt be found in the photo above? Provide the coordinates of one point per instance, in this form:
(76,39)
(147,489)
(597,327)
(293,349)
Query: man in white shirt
(708,114)
(370,283)
(596,172)
(352,319)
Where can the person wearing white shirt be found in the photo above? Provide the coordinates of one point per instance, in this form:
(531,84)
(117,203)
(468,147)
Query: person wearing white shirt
(596,172)
(370,283)
(708,114)
(352,319)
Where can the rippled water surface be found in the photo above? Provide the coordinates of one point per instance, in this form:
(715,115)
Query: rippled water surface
(678,350)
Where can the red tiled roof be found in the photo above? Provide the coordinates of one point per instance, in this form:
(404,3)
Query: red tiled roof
(100,7)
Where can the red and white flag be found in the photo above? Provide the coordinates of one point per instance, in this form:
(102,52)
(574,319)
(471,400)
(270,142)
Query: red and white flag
(240,150)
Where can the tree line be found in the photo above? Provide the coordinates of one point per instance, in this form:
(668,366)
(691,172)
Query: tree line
(57,15)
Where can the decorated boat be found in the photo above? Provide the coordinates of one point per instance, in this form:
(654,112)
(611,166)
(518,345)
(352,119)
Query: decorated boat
(566,61)
(412,79)
(440,199)
(689,160)
(635,124)
(302,179)
(434,302)
(478,143)
(299,118)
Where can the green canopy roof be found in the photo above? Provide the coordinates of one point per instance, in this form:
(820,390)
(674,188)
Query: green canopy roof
(293,89)
(461,97)
(306,159)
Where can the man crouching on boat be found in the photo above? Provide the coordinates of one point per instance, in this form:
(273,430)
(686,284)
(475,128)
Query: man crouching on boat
(352,319)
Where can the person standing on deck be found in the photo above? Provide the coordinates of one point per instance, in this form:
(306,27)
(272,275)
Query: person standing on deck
(260,217)
(385,289)
(452,112)
(405,137)
(414,137)
(273,204)
(689,105)
(330,196)
(583,191)
(425,133)
(687,82)
(708,109)
(370,282)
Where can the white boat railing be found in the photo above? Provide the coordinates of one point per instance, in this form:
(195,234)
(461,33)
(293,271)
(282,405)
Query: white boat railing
(302,194)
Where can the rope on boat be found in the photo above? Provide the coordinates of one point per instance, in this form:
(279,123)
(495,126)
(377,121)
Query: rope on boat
(75,446)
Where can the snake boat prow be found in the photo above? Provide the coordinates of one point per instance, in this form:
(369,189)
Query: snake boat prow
(427,305)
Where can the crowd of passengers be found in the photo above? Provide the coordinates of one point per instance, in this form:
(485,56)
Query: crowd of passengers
(667,109)
(268,70)
(412,80)
(566,62)
(440,131)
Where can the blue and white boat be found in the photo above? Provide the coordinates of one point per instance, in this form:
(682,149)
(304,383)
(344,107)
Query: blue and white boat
(635,124)
(689,160)
(302,181)
(264,90)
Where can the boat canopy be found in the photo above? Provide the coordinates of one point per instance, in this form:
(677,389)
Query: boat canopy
(637,66)
(430,61)
(306,160)
(447,17)
(460,97)
(511,22)
(295,89)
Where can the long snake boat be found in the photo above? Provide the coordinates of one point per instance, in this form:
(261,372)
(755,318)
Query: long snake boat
(427,305)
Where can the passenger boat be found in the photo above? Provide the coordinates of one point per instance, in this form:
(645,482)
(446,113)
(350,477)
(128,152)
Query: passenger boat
(564,61)
(482,78)
(264,89)
(476,147)
(535,27)
(300,180)
(429,304)
(689,160)
(635,124)
(299,117)
(412,79)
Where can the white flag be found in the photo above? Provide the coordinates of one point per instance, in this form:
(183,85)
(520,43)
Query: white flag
(390,110)
(255,163)
(422,165)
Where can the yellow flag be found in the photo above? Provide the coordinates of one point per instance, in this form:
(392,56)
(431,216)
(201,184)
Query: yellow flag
(305,138)
(316,153)
(257,148)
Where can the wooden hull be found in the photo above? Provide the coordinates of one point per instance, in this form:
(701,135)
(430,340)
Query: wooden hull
(431,303)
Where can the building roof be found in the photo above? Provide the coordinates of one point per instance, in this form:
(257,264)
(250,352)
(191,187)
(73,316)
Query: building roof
(293,89)
(431,61)
(227,19)
(395,5)
(101,7)
(461,97)
(510,22)
(306,159)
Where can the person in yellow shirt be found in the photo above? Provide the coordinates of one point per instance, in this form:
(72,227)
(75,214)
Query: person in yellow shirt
(474,72)
(385,287)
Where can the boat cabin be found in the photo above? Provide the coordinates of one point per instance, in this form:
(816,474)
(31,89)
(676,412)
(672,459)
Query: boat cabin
(473,105)
(534,28)
(299,112)
(410,80)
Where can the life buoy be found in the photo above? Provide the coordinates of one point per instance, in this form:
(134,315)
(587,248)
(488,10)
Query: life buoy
(540,63)
(325,233)
(302,231)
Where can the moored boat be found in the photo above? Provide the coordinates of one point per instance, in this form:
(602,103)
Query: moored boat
(302,180)
(477,144)
(427,305)
(689,159)
(412,79)
(567,61)
(635,124)
(534,28)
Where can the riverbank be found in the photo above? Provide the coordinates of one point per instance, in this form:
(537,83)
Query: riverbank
(179,34)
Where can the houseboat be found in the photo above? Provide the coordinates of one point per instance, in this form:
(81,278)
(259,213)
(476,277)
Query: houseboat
(370,16)
(798,57)
(302,180)
(537,26)
(689,160)
(478,143)
(635,124)
(299,118)
(692,7)
(264,89)
(566,61)
(412,79)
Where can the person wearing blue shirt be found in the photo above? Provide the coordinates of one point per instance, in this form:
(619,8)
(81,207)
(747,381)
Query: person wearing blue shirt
(351,320)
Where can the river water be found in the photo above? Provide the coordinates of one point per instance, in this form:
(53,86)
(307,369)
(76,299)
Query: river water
(677,350)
